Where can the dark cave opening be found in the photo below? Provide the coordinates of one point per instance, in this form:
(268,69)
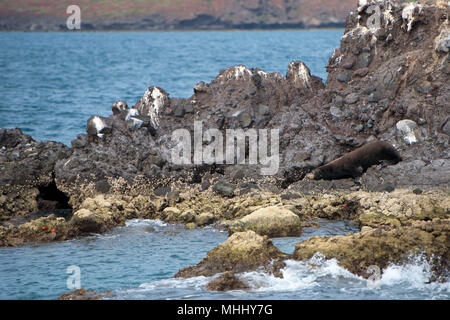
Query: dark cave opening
(51,198)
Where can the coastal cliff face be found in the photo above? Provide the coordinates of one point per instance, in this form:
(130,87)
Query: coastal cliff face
(176,15)
(389,81)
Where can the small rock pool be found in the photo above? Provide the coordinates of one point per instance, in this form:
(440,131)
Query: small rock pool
(137,261)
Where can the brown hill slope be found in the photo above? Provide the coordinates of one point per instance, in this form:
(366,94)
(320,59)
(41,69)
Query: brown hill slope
(175,14)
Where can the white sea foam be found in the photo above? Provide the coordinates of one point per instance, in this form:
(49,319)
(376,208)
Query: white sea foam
(173,288)
(316,278)
(145,223)
(298,275)
(409,280)
(415,274)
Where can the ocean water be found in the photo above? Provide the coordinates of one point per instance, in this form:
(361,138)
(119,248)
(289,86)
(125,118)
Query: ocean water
(138,261)
(51,83)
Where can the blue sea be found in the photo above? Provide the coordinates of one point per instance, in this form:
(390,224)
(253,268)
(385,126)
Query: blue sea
(51,83)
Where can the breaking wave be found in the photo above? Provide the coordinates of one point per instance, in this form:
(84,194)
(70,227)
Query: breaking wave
(316,278)
(325,279)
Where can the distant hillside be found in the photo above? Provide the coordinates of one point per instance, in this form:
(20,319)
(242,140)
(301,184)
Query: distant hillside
(50,15)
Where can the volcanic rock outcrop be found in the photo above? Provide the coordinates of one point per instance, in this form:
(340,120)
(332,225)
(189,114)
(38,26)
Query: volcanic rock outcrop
(388,74)
(383,74)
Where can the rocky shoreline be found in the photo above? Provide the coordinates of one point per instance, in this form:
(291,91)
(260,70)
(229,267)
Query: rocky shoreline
(388,81)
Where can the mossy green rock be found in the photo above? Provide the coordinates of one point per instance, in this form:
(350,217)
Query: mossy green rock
(270,221)
(382,247)
(225,282)
(43,229)
(204,219)
(171,214)
(241,252)
(86,221)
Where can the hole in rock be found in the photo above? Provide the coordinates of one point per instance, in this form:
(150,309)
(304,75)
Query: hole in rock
(50,198)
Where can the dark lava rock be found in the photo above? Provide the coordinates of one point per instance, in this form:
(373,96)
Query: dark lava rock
(446,127)
(290,196)
(348,63)
(161,191)
(352,98)
(225,282)
(82,294)
(224,188)
(344,77)
(374,97)
(102,186)
(245,119)
(364,60)
(361,72)
(133,146)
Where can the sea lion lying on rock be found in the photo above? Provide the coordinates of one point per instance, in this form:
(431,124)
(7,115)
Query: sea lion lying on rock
(355,163)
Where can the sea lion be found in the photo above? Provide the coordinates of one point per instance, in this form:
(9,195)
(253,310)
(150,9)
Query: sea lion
(355,163)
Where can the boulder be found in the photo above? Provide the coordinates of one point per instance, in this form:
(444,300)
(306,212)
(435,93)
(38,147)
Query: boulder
(204,219)
(225,282)
(241,252)
(224,188)
(378,247)
(154,103)
(352,98)
(171,214)
(82,294)
(245,119)
(86,221)
(344,77)
(270,221)
(299,75)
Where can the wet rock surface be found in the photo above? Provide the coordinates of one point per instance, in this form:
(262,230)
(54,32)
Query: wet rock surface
(243,251)
(131,150)
(270,221)
(82,294)
(27,168)
(378,247)
(227,281)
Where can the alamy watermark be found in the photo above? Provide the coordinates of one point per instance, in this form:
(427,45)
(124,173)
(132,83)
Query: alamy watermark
(235,153)
(73,22)
(73,282)
(374,21)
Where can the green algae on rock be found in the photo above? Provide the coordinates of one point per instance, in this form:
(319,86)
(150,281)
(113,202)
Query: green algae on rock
(271,221)
(82,294)
(242,251)
(381,248)
(44,229)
